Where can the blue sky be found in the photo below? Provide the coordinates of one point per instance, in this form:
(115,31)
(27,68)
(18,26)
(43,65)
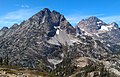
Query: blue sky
(15,11)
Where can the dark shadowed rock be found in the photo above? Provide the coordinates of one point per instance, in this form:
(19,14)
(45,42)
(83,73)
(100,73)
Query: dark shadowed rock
(4,28)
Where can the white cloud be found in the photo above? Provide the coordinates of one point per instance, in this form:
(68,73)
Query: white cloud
(16,17)
(110,19)
(23,6)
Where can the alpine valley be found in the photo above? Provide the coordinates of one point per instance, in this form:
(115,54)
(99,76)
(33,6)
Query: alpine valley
(47,45)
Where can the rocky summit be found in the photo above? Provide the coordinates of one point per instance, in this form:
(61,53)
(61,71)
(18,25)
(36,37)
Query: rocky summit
(47,45)
(106,33)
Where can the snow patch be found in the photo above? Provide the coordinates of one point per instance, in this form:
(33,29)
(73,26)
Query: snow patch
(95,44)
(98,23)
(43,20)
(104,28)
(57,27)
(58,31)
(108,27)
(75,41)
(62,55)
(38,42)
(77,34)
(108,45)
(54,61)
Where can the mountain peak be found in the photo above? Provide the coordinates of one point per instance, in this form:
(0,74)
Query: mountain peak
(4,28)
(47,21)
(93,18)
(46,9)
(96,20)
(92,24)
(114,24)
(55,12)
(41,13)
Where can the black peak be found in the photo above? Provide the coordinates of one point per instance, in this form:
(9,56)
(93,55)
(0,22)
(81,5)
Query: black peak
(38,16)
(46,12)
(4,28)
(114,24)
(49,11)
(55,12)
(46,9)
(93,18)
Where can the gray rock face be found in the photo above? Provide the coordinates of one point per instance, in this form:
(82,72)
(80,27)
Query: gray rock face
(111,39)
(107,33)
(26,44)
